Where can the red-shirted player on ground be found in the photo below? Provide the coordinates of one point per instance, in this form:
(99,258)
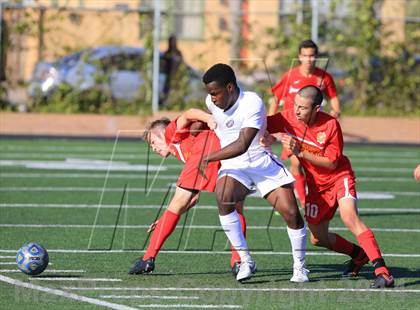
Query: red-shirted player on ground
(188,142)
(316,139)
(285,91)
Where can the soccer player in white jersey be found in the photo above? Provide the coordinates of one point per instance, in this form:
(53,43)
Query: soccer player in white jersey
(241,122)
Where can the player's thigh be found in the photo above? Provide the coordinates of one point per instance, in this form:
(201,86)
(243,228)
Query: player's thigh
(181,200)
(350,216)
(295,166)
(230,191)
(283,199)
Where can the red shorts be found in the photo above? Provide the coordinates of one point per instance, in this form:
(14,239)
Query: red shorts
(204,144)
(320,206)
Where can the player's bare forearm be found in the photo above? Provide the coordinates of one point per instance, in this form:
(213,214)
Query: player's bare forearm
(316,160)
(274,106)
(192,115)
(295,147)
(335,107)
(237,147)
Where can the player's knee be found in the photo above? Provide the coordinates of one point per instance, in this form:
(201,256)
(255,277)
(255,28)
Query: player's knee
(293,218)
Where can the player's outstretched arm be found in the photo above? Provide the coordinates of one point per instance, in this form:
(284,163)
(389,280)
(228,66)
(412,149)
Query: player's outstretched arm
(193,115)
(335,107)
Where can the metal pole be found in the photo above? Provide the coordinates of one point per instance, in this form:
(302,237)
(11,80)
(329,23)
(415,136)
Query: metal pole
(314,27)
(156,57)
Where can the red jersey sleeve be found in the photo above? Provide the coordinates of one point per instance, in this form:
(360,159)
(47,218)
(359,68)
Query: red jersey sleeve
(279,90)
(330,89)
(334,148)
(173,135)
(276,123)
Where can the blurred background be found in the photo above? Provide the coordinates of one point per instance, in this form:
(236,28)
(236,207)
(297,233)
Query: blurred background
(96,56)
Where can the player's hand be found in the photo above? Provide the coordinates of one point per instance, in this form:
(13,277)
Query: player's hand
(335,114)
(267,140)
(202,168)
(417,173)
(211,123)
(152,227)
(290,143)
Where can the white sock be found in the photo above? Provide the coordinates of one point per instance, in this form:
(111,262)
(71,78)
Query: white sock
(298,240)
(233,230)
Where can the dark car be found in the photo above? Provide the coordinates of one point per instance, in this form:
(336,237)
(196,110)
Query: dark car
(117,69)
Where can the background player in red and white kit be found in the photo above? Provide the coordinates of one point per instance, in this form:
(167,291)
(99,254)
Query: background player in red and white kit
(180,139)
(285,91)
(316,139)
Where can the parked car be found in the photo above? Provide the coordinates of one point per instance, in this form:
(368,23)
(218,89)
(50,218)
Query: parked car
(117,69)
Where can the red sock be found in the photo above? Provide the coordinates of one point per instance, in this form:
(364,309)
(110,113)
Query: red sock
(368,243)
(164,228)
(342,245)
(300,187)
(235,256)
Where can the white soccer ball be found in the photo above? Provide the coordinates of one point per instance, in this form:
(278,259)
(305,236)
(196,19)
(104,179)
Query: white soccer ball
(32,258)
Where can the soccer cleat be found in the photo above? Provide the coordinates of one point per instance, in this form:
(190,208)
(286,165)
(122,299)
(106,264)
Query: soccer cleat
(142,266)
(383,280)
(354,265)
(235,268)
(246,270)
(300,275)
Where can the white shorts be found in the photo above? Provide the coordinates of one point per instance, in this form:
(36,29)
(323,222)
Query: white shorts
(265,174)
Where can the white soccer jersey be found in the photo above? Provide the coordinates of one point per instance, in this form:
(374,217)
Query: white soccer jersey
(248,111)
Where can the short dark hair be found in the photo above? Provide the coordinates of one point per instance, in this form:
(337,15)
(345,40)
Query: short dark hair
(308,44)
(221,73)
(161,122)
(312,93)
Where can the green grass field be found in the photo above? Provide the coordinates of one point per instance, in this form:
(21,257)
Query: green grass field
(66,195)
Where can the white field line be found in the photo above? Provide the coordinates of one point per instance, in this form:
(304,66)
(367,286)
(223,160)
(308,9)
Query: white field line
(384,160)
(205,207)
(160,176)
(76,279)
(233,289)
(84,156)
(212,227)
(81,149)
(381,154)
(7,256)
(308,253)
(14,263)
(382,169)
(118,156)
(147,297)
(46,271)
(7,263)
(191,306)
(119,189)
(127,176)
(130,150)
(65,294)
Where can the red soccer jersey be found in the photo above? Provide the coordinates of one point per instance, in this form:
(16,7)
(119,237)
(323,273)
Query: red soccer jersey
(293,80)
(324,138)
(190,149)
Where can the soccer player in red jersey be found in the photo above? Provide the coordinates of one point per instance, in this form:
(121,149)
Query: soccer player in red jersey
(317,141)
(285,91)
(188,142)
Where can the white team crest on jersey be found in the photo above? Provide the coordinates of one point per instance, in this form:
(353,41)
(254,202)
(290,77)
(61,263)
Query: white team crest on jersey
(230,123)
(320,137)
(293,90)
